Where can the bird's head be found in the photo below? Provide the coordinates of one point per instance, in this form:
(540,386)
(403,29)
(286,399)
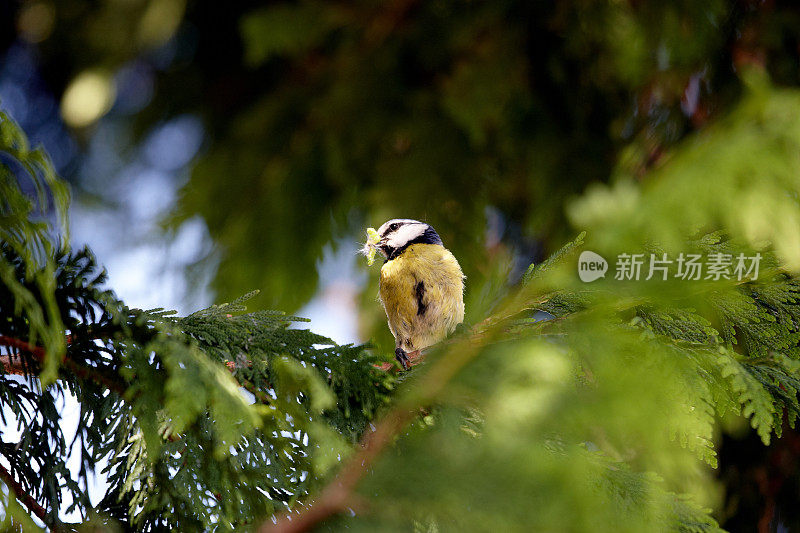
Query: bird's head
(398,234)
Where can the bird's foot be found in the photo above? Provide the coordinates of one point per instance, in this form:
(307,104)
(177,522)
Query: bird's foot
(402,358)
(408,359)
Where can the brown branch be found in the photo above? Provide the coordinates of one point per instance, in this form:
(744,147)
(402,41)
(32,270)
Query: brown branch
(83,372)
(26,499)
(335,497)
(18,368)
(90,373)
(338,495)
(10,366)
(93,374)
(36,351)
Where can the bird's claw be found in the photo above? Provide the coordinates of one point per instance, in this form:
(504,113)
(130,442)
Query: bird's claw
(402,358)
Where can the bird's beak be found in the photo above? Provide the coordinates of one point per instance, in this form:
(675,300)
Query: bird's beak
(377,246)
(381,247)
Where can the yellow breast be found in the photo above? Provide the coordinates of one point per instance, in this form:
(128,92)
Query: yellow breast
(422,292)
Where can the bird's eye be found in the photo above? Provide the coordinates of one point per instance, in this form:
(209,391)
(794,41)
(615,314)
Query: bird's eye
(394,226)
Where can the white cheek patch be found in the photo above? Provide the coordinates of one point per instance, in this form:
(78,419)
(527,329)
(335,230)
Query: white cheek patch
(405,234)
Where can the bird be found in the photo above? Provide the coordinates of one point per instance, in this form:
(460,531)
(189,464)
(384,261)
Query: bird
(421,285)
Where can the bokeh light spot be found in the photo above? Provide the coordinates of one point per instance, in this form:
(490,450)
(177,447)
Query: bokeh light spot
(160,20)
(88,97)
(35,21)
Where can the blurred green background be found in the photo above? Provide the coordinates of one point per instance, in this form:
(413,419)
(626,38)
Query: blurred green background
(246,145)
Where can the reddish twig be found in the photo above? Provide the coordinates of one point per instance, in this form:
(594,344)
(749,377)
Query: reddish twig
(338,495)
(93,374)
(10,366)
(88,373)
(414,358)
(22,345)
(335,497)
(18,368)
(26,499)
(83,372)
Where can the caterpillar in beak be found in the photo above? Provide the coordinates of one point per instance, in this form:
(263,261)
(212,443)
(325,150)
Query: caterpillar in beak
(371,246)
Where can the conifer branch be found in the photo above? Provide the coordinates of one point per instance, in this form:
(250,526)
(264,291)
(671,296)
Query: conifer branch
(82,372)
(338,495)
(252,389)
(94,374)
(25,498)
(248,385)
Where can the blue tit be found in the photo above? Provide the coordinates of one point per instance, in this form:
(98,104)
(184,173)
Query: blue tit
(421,285)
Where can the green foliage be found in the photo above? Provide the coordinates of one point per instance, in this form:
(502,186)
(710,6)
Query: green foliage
(603,418)
(631,376)
(535,270)
(753,198)
(599,416)
(363,111)
(287,30)
(29,237)
(435,110)
(160,398)
(175,428)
